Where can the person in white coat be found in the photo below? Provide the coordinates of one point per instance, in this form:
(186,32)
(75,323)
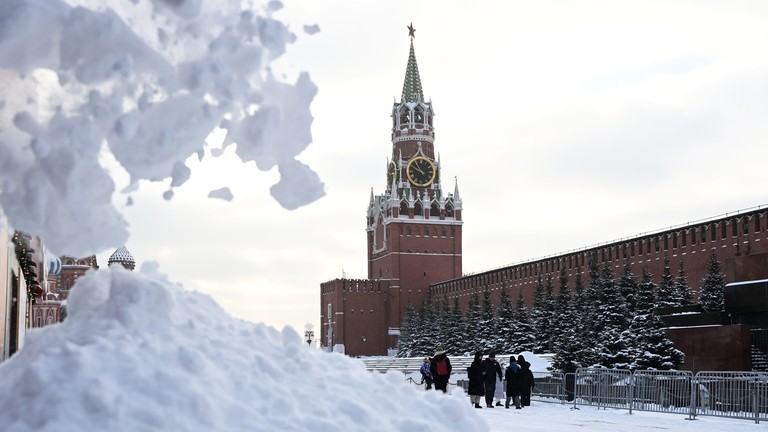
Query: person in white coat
(498,394)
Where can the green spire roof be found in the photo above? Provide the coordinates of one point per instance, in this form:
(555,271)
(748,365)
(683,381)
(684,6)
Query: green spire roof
(412,85)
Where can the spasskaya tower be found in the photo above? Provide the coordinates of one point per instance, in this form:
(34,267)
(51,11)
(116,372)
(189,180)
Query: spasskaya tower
(413,231)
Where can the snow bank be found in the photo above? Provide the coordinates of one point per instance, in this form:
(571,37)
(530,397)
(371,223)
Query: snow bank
(138,353)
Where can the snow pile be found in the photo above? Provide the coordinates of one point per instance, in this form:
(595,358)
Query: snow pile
(138,353)
(151,79)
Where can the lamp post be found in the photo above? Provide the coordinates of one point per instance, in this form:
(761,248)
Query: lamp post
(309,334)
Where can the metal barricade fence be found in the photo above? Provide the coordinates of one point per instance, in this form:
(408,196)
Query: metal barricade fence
(549,386)
(736,394)
(662,391)
(740,395)
(604,388)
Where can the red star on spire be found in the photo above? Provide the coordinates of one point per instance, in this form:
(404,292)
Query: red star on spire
(411,31)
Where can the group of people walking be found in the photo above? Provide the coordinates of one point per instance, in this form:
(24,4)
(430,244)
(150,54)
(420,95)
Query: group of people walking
(487,378)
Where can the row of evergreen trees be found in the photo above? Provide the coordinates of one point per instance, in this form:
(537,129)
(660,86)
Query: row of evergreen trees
(608,322)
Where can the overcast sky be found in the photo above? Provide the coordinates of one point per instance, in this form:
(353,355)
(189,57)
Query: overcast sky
(567,124)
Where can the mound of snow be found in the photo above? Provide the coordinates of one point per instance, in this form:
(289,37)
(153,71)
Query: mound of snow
(139,353)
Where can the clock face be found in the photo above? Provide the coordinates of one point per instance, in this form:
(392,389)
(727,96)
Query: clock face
(421,171)
(391,173)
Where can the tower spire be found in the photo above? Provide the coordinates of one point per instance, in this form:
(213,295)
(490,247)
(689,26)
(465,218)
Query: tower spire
(412,85)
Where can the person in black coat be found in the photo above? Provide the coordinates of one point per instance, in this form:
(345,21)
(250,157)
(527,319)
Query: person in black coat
(475,373)
(570,379)
(528,381)
(492,372)
(514,382)
(441,370)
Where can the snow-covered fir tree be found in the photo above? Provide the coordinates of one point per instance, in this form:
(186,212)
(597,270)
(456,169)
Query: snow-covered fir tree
(488,332)
(405,343)
(424,336)
(506,320)
(456,336)
(712,292)
(628,286)
(652,348)
(665,293)
(564,318)
(539,318)
(683,291)
(472,322)
(443,320)
(522,335)
(613,319)
(588,315)
(549,329)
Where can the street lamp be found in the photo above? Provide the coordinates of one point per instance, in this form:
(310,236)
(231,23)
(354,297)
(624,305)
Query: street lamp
(309,334)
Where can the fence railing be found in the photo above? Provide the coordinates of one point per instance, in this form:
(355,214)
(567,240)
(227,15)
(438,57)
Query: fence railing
(740,395)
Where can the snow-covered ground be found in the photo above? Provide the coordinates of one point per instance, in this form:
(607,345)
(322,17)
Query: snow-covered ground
(549,417)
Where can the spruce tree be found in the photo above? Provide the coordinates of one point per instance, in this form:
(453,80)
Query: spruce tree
(665,293)
(562,317)
(539,317)
(443,324)
(487,330)
(581,325)
(523,339)
(713,286)
(628,286)
(612,320)
(427,327)
(548,316)
(506,321)
(683,291)
(472,323)
(454,342)
(652,348)
(407,328)
(589,315)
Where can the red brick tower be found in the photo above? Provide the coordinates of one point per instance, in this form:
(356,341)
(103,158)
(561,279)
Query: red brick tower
(414,237)
(414,228)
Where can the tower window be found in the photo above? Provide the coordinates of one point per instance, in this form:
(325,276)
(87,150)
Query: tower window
(745,226)
(419,116)
(703,234)
(404,116)
(674,241)
(757,223)
(722,229)
(693,237)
